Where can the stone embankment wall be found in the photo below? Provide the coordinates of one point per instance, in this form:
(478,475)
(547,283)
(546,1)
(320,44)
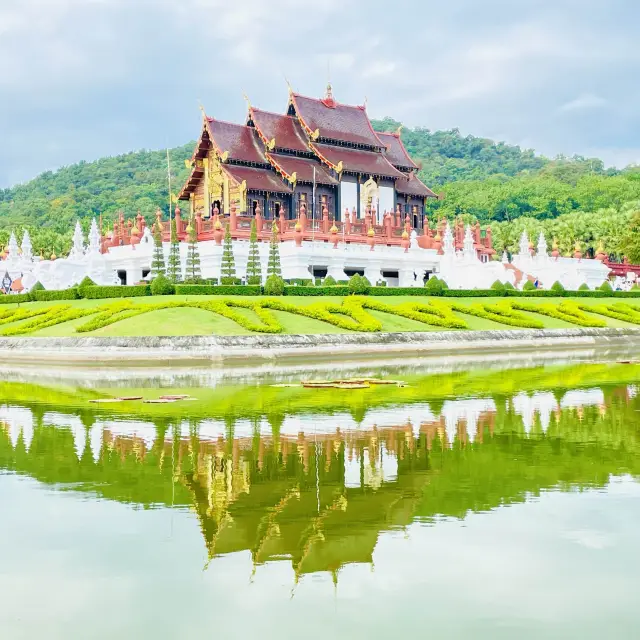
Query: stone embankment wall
(311,347)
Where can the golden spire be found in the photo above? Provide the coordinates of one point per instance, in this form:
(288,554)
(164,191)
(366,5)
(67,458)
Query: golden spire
(288,85)
(244,95)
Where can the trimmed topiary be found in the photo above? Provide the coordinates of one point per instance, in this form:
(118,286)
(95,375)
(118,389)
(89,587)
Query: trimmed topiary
(556,287)
(359,285)
(529,286)
(434,286)
(273,264)
(606,286)
(228,265)
(583,287)
(497,286)
(274,286)
(329,281)
(86,282)
(162,286)
(509,286)
(38,286)
(254,267)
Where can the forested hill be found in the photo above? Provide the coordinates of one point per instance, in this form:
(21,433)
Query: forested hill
(480,179)
(55,199)
(447,156)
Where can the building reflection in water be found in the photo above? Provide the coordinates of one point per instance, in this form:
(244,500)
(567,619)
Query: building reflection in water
(315,489)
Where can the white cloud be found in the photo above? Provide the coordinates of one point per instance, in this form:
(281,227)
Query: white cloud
(582,102)
(380,68)
(68,64)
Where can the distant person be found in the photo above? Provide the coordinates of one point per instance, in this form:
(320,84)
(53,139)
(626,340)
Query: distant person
(536,283)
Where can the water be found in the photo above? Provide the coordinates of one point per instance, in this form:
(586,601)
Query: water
(493,503)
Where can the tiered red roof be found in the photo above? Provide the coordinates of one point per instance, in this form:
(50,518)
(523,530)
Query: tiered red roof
(395,151)
(302,167)
(335,121)
(356,161)
(284,131)
(413,186)
(257,178)
(239,141)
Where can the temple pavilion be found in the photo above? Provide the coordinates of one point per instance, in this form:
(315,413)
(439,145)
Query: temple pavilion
(271,164)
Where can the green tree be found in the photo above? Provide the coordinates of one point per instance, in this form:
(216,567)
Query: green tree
(254,268)
(228,266)
(193,254)
(157,262)
(273,266)
(174,272)
(631,242)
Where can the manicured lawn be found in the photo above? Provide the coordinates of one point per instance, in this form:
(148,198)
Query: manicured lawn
(191,321)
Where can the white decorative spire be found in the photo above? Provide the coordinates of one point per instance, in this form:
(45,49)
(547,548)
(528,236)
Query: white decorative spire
(94,238)
(27,248)
(447,241)
(505,257)
(77,251)
(542,246)
(468,249)
(524,244)
(13,247)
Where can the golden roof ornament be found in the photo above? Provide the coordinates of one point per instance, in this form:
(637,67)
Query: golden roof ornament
(329,93)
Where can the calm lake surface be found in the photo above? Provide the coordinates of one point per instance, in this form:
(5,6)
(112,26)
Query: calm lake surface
(492,503)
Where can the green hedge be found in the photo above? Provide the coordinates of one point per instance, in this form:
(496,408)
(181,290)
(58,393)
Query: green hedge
(217,290)
(62,294)
(15,298)
(117,291)
(300,282)
(335,290)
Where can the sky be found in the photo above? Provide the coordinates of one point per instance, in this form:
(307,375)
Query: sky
(82,79)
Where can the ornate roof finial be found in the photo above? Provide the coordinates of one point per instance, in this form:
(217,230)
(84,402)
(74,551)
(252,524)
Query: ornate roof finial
(288,85)
(399,130)
(329,93)
(204,115)
(365,102)
(244,95)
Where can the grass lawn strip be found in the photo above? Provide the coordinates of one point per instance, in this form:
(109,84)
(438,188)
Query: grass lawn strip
(347,314)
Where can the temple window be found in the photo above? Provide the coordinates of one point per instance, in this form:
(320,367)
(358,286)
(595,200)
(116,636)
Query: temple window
(276,209)
(254,207)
